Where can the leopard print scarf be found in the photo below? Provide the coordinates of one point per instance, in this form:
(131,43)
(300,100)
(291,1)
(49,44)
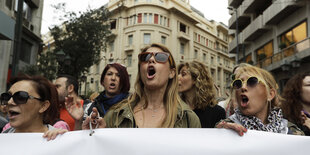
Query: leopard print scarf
(251,122)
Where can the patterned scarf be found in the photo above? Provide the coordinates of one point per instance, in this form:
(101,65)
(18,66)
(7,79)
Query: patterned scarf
(251,122)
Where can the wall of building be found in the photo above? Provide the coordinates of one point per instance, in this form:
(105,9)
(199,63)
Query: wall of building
(177,12)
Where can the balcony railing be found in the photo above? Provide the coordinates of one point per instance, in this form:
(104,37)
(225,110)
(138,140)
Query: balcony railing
(286,52)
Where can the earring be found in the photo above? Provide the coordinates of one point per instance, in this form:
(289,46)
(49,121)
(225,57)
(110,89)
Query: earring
(269,102)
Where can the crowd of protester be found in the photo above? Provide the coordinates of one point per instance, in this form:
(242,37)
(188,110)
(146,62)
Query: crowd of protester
(166,95)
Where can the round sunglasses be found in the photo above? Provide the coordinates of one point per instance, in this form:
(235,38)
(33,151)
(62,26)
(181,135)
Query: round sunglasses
(251,82)
(20,97)
(161,57)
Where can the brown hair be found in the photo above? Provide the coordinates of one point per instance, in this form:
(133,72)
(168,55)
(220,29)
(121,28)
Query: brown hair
(46,91)
(204,87)
(124,77)
(292,105)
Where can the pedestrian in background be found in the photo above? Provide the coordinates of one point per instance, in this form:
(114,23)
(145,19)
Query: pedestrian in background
(296,104)
(196,89)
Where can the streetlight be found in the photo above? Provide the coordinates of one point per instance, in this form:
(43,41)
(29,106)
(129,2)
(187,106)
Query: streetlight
(237,38)
(60,55)
(62,58)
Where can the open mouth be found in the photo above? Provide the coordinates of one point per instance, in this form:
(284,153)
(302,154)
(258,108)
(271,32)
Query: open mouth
(13,113)
(112,85)
(244,100)
(151,72)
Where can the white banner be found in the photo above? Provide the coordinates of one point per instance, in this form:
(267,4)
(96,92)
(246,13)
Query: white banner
(155,142)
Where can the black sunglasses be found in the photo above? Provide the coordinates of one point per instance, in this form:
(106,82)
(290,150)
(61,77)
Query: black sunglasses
(20,97)
(161,57)
(251,82)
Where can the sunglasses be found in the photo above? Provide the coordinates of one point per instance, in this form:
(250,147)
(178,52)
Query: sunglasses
(161,57)
(20,97)
(251,82)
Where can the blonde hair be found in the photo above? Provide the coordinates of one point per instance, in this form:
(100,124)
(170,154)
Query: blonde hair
(204,87)
(171,97)
(93,96)
(266,78)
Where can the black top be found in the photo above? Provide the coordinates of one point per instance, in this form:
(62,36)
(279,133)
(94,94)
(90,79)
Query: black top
(210,116)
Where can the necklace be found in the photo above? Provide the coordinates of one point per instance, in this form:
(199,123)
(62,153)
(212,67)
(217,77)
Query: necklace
(154,110)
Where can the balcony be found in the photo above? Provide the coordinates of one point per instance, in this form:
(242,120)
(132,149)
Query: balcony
(279,10)
(129,48)
(300,50)
(234,3)
(183,36)
(254,6)
(243,20)
(232,47)
(255,29)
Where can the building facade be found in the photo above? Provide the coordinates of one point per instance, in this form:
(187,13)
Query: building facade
(173,23)
(272,34)
(31,41)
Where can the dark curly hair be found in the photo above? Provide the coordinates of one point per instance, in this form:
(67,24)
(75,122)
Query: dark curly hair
(292,104)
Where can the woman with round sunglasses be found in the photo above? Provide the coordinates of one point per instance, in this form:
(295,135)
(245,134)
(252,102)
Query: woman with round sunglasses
(196,88)
(229,104)
(255,91)
(156,102)
(32,105)
(296,104)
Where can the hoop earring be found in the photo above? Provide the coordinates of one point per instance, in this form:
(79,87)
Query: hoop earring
(269,102)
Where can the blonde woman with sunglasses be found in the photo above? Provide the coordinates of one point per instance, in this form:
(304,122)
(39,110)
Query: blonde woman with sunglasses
(255,91)
(156,102)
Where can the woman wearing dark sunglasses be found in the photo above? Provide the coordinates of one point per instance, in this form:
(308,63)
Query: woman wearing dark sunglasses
(155,103)
(255,91)
(196,88)
(32,104)
(296,104)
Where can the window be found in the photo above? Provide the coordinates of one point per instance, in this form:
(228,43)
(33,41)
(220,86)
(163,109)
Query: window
(218,59)
(219,75)
(27,12)
(150,18)
(134,19)
(139,17)
(161,20)
(212,60)
(204,57)
(145,18)
(26,54)
(182,48)
(8,3)
(195,54)
(147,38)
(113,25)
(199,38)
(163,40)
(130,37)
(182,27)
(111,44)
(294,35)
(265,51)
(129,60)
(165,21)
(156,18)
(97,86)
